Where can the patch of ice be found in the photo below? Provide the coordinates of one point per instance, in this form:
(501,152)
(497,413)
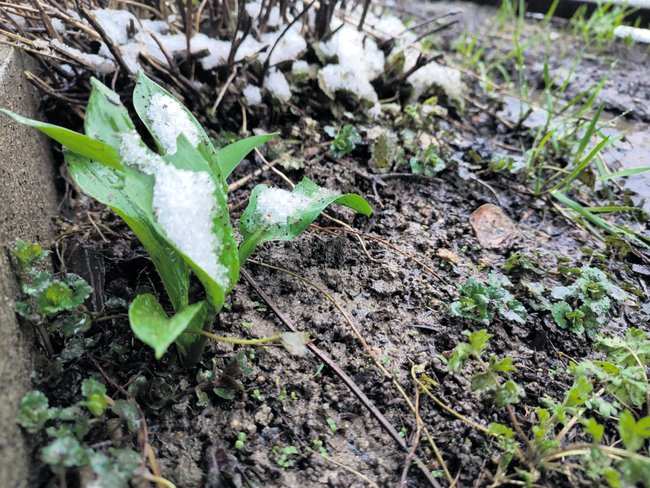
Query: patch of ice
(169,119)
(184,204)
(96,62)
(277,84)
(252,94)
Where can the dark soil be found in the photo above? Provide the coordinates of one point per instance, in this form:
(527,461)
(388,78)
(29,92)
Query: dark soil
(399,307)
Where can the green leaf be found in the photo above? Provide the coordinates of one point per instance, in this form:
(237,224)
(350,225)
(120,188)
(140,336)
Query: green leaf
(114,470)
(75,142)
(75,324)
(633,433)
(129,194)
(277,215)
(34,411)
(127,410)
(95,393)
(229,157)
(55,296)
(594,429)
(152,326)
(28,254)
(106,118)
(508,394)
(559,312)
(479,340)
(459,357)
(65,452)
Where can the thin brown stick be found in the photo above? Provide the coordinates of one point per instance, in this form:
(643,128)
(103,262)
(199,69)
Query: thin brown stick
(115,50)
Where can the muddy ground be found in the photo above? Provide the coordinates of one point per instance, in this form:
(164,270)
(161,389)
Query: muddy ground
(399,306)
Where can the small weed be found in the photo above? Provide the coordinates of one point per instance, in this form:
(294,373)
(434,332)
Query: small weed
(331,423)
(482,301)
(257,395)
(67,427)
(284,460)
(494,375)
(241,441)
(584,306)
(345,139)
(428,162)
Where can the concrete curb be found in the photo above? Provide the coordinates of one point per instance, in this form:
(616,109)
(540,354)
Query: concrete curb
(28,201)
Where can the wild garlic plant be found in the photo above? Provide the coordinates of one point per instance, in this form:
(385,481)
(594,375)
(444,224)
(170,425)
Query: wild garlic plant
(175,202)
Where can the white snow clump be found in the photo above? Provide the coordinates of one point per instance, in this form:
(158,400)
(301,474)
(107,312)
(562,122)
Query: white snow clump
(169,120)
(277,84)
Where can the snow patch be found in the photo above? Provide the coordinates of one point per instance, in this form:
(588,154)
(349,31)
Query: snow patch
(277,84)
(169,119)
(134,153)
(253,95)
(185,205)
(281,207)
(98,63)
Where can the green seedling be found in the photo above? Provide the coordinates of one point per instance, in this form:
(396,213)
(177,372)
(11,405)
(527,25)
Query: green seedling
(241,441)
(67,427)
(345,139)
(428,162)
(175,201)
(331,423)
(493,376)
(482,301)
(284,460)
(584,306)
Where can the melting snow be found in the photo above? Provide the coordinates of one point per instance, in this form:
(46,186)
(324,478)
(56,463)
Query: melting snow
(252,94)
(281,207)
(185,206)
(169,119)
(96,62)
(277,84)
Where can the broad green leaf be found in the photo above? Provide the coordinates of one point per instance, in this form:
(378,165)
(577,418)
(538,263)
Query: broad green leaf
(633,433)
(189,158)
(152,326)
(75,142)
(106,118)
(229,157)
(147,91)
(129,194)
(279,215)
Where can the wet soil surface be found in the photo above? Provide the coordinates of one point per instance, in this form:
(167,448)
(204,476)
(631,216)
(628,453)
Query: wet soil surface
(399,306)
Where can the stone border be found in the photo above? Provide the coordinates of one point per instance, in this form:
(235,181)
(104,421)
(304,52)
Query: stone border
(28,201)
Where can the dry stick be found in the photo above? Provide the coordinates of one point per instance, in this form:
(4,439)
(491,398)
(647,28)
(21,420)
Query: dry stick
(245,179)
(115,51)
(351,470)
(349,382)
(46,20)
(416,441)
(366,6)
(225,86)
(267,62)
